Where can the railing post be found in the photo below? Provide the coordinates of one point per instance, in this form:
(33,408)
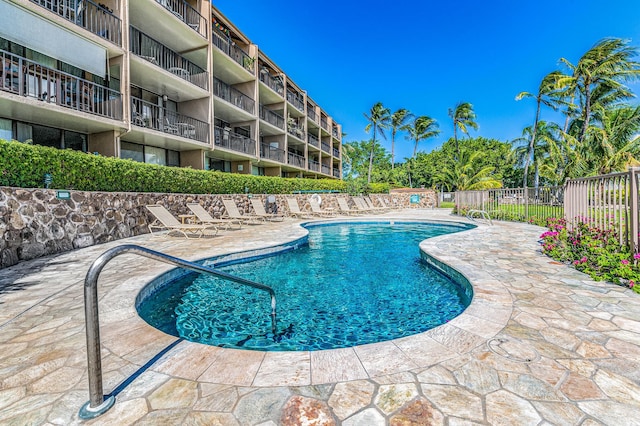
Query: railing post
(633,219)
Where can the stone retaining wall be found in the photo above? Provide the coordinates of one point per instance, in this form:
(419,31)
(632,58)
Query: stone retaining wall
(35,223)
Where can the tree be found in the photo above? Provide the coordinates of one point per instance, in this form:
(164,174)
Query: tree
(379,119)
(356,161)
(545,96)
(463,118)
(422,128)
(601,73)
(398,122)
(468,173)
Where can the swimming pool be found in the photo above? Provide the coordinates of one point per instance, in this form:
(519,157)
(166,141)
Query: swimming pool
(346,284)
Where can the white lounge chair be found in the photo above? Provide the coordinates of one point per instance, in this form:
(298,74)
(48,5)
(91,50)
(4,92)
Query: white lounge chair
(164,220)
(233,212)
(319,211)
(294,209)
(343,205)
(203,216)
(261,212)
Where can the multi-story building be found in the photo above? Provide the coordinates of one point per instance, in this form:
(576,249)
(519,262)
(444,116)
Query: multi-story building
(169,82)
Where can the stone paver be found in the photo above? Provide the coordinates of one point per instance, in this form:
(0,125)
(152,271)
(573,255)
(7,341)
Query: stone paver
(541,344)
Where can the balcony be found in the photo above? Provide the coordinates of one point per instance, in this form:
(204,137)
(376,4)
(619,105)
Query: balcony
(295,160)
(151,116)
(160,55)
(223,42)
(274,82)
(335,133)
(295,100)
(325,147)
(272,152)
(336,173)
(313,140)
(233,96)
(326,170)
(314,166)
(295,130)
(312,114)
(187,14)
(336,152)
(271,117)
(324,124)
(86,14)
(30,79)
(225,138)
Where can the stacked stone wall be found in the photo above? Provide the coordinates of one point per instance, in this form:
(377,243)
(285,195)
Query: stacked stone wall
(35,223)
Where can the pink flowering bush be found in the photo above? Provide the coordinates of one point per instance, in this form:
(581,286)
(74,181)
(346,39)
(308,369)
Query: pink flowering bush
(592,250)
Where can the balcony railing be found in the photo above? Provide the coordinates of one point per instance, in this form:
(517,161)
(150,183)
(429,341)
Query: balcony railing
(313,140)
(26,78)
(225,138)
(274,82)
(233,96)
(325,147)
(295,160)
(187,14)
(314,166)
(88,15)
(271,117)
(335,133)
(272,152)
(324,124)
(295,100)
(326,170)
(336,172)
(222,42)
(312,114)
(158,54)
(152,116)
(336,152)
(296,131)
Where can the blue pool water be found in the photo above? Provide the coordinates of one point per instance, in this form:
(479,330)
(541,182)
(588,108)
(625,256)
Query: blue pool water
(352,284)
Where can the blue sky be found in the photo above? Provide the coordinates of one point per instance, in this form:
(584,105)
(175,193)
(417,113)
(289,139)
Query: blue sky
(427,56)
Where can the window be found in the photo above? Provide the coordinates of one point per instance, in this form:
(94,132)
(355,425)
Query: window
(153,155)
(77,141)
(6,129)
(132,151)
(173,158)
(219,165)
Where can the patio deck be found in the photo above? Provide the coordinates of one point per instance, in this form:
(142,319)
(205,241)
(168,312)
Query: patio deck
(540,344)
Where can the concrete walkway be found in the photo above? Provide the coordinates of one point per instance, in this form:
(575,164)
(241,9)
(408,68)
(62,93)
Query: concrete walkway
(541,344)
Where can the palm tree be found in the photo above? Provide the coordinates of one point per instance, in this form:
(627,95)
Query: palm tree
(379,119)
(423,127)
(467,174)
(601,72)
(398,122)
(463,117)
(545,96)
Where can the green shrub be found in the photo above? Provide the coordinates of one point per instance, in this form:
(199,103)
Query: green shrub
(23,165)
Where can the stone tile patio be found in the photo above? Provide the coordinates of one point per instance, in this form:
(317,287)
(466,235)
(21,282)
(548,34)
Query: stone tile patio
(541,344)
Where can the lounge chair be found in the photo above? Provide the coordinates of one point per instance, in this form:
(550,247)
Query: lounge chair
(294,209)
(319,211)
(232,212)
(381,209)
(261,212)
(203,216)
(361,205)
(164,220)
(343,204)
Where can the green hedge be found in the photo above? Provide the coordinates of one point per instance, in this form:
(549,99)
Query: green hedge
(23,165)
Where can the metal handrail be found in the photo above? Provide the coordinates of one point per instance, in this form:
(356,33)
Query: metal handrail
(483,214)
(97,404)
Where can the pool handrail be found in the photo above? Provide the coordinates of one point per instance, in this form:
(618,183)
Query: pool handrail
(97,405)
